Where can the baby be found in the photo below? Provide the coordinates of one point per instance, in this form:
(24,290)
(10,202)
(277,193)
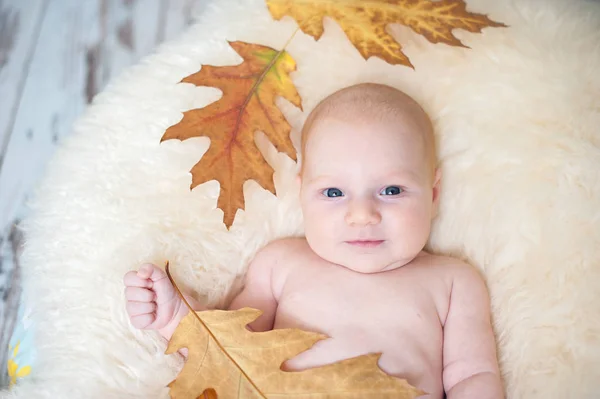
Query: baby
(369,191)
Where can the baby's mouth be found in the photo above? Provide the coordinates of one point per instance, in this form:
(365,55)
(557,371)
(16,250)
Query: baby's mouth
(365,243)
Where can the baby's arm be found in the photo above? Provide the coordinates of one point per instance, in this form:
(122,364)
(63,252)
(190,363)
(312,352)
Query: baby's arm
(259,290)
(153,303)
(470,362)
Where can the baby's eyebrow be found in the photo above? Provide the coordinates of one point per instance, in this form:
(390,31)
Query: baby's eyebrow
(320,178)
(403,175)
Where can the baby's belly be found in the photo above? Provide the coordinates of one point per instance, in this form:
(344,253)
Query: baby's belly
(405,354)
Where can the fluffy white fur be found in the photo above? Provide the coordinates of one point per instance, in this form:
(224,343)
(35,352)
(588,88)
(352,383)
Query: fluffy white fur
(517,118)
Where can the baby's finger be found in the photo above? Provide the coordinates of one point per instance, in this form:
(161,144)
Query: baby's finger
(137,294)
(131,279)
(157,274)
(139,308)
(143,321)
(146,270)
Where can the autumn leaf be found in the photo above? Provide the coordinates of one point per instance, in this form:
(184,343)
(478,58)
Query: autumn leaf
(248,104)
(365,21)
(227,359)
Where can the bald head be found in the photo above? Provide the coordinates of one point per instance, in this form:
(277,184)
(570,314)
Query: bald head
(374,102)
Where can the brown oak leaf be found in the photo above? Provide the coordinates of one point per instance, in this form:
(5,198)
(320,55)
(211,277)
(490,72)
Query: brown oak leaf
(228,361)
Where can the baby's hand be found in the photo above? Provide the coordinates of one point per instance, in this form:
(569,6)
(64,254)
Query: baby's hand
(152,301)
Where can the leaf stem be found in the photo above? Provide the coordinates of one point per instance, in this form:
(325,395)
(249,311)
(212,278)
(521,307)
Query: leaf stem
(210,333)
(264,73)
(290,39)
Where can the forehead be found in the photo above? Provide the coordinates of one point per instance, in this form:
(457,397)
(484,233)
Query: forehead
(375,133)
(335,143)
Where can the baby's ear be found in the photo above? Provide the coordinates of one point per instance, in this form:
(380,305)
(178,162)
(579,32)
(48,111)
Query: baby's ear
(437,182)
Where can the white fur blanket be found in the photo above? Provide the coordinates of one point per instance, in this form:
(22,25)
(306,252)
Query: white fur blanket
(518,125)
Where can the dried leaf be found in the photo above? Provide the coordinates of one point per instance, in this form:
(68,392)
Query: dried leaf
(236,363)
(248,104)
(365,21)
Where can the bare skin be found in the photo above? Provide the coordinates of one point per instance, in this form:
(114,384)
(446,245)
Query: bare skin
(361,276)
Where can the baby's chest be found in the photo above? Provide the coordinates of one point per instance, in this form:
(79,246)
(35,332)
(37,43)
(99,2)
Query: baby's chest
(368,305)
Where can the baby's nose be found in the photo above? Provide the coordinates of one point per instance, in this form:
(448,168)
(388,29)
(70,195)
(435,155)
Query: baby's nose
(362,212)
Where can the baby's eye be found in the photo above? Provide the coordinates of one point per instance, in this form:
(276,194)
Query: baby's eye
(391,190)
(333,192)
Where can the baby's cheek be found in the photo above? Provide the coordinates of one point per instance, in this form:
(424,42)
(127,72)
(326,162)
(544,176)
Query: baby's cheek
(417,229)
(409,224)
(318,215)
(311,215)
(312,225)
(319,233)
(318,242)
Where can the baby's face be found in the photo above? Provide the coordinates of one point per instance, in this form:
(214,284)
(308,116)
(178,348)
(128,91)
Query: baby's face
(367,193)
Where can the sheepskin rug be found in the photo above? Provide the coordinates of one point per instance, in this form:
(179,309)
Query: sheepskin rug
(518,126)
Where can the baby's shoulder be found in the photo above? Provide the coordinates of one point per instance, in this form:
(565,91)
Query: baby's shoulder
(279,258)
(463,271)
(282,253)
(463,278)
(452,271)
(455,279)
(451,267)
(284,246)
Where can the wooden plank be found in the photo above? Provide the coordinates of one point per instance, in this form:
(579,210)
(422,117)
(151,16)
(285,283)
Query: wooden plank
(10,294)
(82,46)
(50,98)
(75,47)
(131,30)
(177,15)
(20,23)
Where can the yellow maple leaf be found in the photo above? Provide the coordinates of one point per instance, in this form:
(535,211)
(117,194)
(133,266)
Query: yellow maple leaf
(227,361)
(248,104)
(365,21)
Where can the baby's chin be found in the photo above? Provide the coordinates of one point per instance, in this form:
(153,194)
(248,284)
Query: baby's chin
(369,265)
(361,260)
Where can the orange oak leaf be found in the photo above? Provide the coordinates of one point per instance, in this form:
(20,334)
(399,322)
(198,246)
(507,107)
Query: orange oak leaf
(365,21)
(248,104)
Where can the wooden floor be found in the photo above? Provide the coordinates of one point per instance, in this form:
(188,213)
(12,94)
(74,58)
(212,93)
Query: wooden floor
(55,55)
